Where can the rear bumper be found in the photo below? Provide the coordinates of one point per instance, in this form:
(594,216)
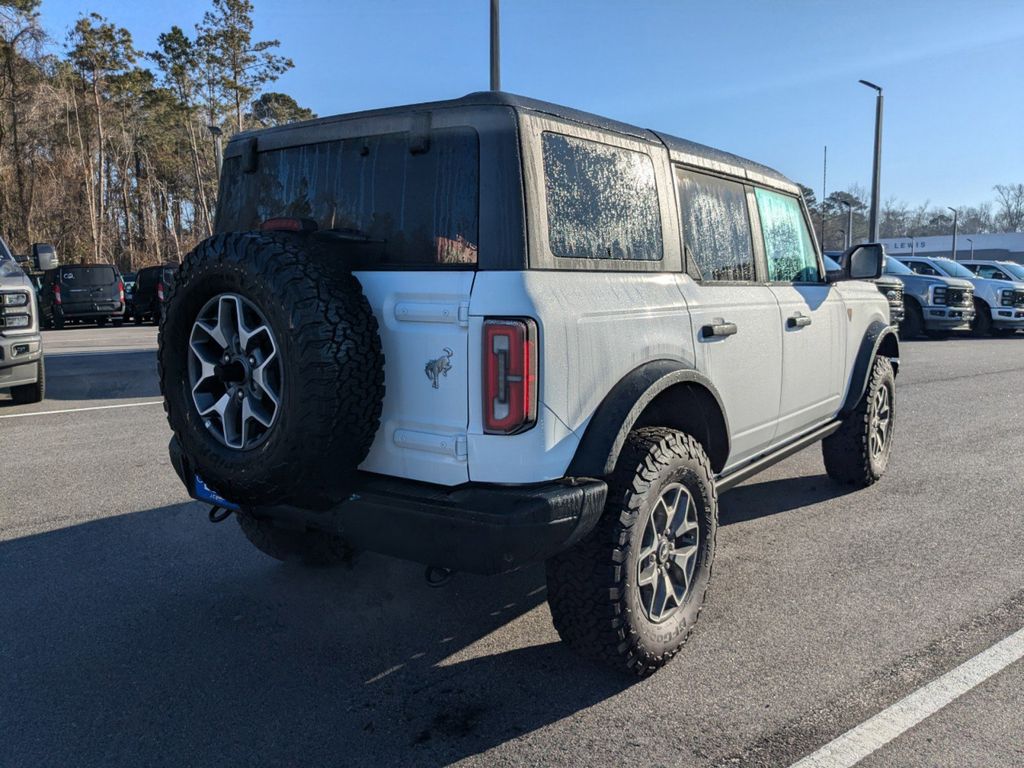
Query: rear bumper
(477,528)
(18,358)
(90,311)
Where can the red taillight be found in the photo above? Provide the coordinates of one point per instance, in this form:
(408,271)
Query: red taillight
(160,291)
(56,293)
(510,376)
(120,291)
(288,224)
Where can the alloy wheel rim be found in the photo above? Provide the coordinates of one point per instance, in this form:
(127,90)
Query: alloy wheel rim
(235,371)
(668,553)
(881,422)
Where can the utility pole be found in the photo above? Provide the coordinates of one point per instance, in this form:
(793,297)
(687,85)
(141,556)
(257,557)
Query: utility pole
(218,149)
(913,245)
(824,186)
(495,46)
(955,214)
(849,222)
(877,167)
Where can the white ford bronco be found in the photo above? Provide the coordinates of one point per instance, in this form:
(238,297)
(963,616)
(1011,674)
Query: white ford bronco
(493,331)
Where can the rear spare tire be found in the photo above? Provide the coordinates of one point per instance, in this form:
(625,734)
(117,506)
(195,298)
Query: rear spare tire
(271,369)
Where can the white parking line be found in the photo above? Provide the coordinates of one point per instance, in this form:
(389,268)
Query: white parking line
(859,742)
(79,410)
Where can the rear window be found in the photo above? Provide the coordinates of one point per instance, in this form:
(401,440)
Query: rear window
(602,201)
(77,276)
(416,205)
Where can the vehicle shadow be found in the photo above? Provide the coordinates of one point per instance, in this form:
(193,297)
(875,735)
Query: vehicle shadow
(154,638)
(101,376)
(772,497)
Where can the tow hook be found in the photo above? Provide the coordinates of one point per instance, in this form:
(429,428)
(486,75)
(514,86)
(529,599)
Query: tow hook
(437,576)
(219,514)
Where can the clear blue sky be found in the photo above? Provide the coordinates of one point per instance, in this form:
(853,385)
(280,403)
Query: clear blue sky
(774,81)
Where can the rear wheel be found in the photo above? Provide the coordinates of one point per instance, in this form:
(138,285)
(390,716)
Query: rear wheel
(31,393)
(308,547)
(58,321)
(137,319)
(101,321)
(858,453)
(630,592)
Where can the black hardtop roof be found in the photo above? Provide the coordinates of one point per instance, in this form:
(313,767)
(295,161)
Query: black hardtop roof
(682,150)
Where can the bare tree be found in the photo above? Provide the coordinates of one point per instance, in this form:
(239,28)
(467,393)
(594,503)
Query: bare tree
(1010,199)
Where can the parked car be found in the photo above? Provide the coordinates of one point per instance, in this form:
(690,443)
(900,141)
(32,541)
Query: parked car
(889,286)
(151,287)
(989,294)
(82,293)
(22,367)
(1011,307)
(933,303)
(587,332)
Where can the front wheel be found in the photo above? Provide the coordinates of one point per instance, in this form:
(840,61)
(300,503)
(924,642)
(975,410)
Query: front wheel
(308,547)
(31,393)
(858,452)
(629,593)
(913,321)
(981,326)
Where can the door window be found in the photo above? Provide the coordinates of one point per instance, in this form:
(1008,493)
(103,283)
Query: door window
(716,227)
(922,268)
(991,273)
(787,243)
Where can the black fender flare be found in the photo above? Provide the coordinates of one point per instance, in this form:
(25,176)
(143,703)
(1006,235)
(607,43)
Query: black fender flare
(621,408)
(878,339)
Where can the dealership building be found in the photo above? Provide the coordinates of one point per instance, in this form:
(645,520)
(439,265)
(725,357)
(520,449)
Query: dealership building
(1008,246)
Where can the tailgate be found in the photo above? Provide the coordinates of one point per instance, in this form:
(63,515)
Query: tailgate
(424,328)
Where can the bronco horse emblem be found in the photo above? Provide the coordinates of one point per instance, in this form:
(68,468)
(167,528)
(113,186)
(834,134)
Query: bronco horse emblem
(439,367)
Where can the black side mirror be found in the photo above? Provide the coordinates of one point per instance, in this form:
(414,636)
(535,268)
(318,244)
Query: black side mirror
(45,256)
(861,262)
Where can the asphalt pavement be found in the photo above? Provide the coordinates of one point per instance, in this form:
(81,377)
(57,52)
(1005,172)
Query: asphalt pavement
(134,632)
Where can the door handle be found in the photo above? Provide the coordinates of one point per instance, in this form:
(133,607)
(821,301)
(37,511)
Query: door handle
(798,321)
(718,330)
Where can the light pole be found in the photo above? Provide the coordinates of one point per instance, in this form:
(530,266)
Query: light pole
(495,46)
(218,150)
(969,240)
(913,245)
(849,222)
(846,238)
(955,214)
(877,167)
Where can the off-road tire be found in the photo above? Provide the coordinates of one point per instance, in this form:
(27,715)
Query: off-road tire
(31,393)
(847,453)
(913,320)
(332,368)
(308,547)
(981,325)
(592,589)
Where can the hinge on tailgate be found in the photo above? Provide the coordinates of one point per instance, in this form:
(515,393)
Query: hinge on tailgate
(464,313)
(461,447)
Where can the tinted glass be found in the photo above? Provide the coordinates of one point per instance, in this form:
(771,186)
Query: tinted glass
(78,277)
(922,268)
(716,226)
(1016,270)
(953,269)
(987,271)
(787,243)
(602,201)
(418,208)
(147,278)
(893,267)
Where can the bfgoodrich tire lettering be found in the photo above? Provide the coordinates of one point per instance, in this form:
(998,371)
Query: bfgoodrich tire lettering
(858,453)
(597,604)
(332,363)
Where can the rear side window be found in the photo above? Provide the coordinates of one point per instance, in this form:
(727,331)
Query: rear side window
(716,226)
(147,278)
(417,203)
(602,201)
(80,277)
(787,243)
